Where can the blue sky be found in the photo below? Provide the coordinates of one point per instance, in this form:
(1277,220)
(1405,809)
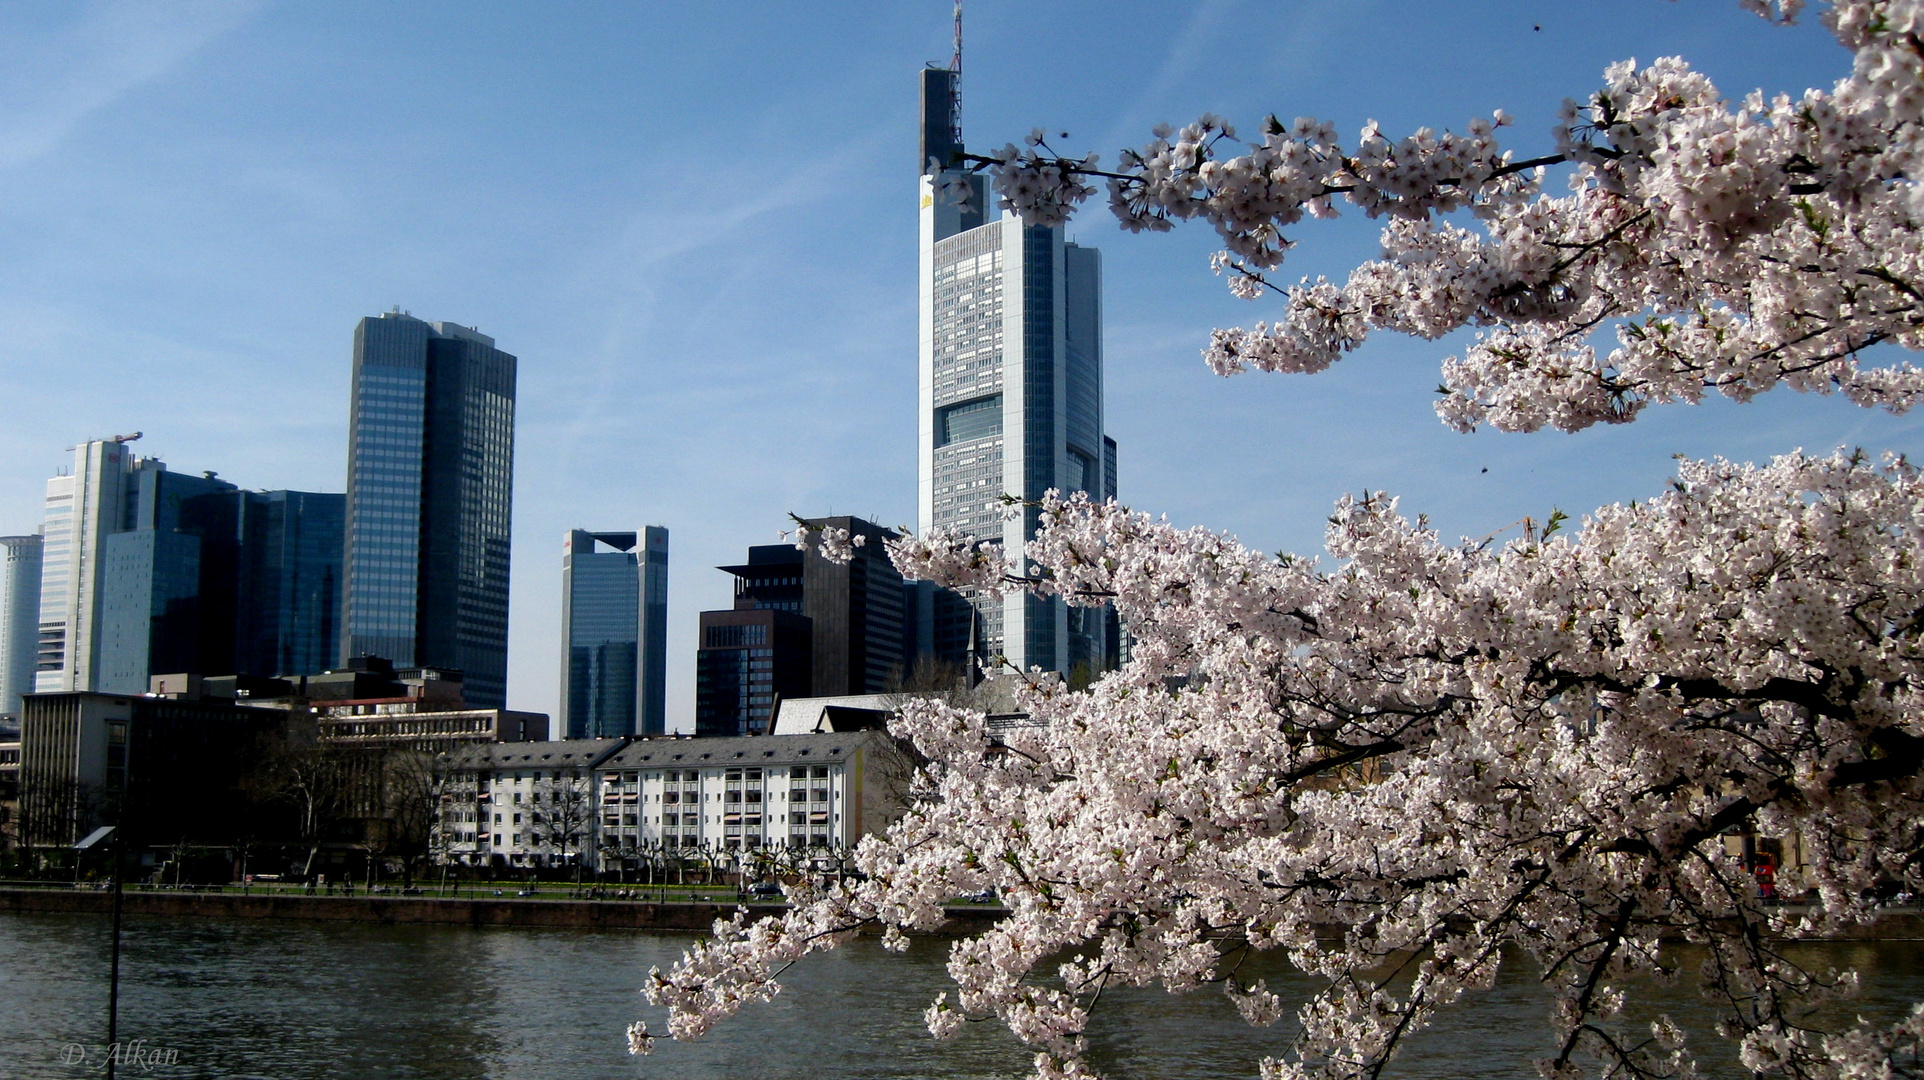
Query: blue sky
(695,225)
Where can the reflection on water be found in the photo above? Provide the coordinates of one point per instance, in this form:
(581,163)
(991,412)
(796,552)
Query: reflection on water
(290,1000)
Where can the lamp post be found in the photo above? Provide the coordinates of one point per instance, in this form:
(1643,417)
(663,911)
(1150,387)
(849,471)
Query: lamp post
(108,834)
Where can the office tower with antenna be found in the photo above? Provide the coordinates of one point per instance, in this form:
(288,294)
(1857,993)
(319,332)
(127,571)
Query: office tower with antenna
(1010,402)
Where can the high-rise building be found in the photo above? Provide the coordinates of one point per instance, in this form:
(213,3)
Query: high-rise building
(830,630)
(856,612)
(148,571)
(207,578)
(430,482)
(288,599)
(746,661)
(20,558)
(167,581)
(614,618)
(1011,390)
(84,507)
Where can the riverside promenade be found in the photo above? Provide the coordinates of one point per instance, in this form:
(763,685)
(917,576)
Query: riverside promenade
(697,915)
(692,915)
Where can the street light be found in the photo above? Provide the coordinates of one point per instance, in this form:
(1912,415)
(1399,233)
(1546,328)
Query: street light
(107,834)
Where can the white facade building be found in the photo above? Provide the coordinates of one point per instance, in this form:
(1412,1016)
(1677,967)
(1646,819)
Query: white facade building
(521,804)
(1010,389)
(84,507)
(528,804)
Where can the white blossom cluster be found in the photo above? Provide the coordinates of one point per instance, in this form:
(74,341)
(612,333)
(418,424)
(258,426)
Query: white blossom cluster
(835,543)
(1394,770)
(1732,247)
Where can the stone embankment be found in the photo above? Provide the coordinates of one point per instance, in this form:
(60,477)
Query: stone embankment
(461,911)
(695,915)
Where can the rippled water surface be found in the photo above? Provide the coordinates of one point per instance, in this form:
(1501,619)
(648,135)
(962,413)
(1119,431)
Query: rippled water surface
(288,1000)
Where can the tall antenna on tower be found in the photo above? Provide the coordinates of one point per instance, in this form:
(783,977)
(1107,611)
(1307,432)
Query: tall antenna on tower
(955,83)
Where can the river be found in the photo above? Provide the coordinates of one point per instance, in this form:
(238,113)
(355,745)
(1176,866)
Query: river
(268,1000)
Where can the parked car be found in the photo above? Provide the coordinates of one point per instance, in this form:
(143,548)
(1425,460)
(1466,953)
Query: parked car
(765,888)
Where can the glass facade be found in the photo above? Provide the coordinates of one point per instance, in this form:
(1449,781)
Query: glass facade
(747,661)
(290,583)
(429,498)
(614,615)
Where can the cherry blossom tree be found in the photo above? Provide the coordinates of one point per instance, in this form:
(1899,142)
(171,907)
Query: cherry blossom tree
(1401,768)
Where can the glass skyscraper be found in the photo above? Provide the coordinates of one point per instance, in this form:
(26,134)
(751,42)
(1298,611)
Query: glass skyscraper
(429,492)
(614,617)
(1011,395)
(289,594)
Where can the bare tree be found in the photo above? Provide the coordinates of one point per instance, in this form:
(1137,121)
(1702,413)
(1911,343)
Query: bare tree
(564,817)
(310,776)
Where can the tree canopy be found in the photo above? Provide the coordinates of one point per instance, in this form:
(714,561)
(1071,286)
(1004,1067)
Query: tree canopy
(1394,767)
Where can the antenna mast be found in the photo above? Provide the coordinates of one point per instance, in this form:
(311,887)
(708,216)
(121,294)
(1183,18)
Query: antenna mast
(955,93)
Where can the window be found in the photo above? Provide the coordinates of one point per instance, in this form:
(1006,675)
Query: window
(969,420)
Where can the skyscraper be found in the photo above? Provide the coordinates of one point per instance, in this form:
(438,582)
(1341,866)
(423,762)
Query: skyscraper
(802,626)
(1011,390)
(289,592)
(148,572)
(166,583)
(856,611)
(614,617)
(429,491)
(84,508)
(19,617)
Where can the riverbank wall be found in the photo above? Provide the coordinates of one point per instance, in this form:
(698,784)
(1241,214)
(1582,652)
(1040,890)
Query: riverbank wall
(696,916)
(693,916)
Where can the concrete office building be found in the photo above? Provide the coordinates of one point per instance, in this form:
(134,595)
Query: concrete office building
(429,495)
(161,769)
(614,618)
(1011,390)
(20,558)
(84,507)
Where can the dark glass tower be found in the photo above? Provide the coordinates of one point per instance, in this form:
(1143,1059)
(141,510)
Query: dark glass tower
(167,579)
(430,481)
(614,617)
(290,582)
